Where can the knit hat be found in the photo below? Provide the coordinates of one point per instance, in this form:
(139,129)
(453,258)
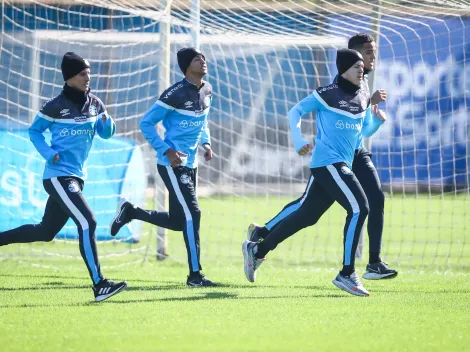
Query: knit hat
(185,56)
(72,65)
(346,58)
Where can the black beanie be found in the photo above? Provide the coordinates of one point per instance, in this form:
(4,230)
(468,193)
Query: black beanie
(346,58)
(185,56)
(72,65)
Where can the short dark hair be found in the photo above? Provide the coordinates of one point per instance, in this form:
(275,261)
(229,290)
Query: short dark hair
(357,41)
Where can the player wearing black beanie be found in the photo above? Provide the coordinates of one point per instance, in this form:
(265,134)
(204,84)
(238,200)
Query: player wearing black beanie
(346,58)
(183,109)
(72,65)
(186,56)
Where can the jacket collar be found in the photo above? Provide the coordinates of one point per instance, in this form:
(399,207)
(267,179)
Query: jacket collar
(75,95)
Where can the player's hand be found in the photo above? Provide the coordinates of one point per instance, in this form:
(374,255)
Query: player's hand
(56,158)
(305,149)
(208,152)
(174,157)
(379,96)
(379,113)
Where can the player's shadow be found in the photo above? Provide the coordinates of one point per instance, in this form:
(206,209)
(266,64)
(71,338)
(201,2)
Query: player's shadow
(172,285)
(155,286)
(67,277)
(46,286)
(201,297)
(218,296)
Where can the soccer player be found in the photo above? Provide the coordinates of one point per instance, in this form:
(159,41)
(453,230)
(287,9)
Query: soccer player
(183,110)
(343,113)
(73,117)
(365,172)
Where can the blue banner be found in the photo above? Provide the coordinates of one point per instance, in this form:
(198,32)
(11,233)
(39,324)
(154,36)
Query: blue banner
(424,66)
(115,169)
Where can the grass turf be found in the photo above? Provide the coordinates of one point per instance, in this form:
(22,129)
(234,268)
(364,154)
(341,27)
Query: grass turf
(46,299)
(288,310)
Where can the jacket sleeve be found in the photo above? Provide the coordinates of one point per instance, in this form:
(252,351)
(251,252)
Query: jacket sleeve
(158,112)
(307,105)
(371,123)
(40,124)
(206,134)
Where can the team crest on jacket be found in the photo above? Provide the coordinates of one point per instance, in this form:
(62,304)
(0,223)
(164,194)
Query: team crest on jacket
(345,170)
(74,187)
(93,110)
(185,179)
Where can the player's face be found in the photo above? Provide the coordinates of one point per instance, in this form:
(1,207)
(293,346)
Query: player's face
(369,52)
(355,74)
(198,66)
(80,81)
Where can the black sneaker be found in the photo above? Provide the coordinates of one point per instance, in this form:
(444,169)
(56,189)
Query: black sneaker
(377,271)
(253,233)
(199,281)
(107,288)
(121,218)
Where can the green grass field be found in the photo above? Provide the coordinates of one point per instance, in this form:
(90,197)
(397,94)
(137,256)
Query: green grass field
(46,298)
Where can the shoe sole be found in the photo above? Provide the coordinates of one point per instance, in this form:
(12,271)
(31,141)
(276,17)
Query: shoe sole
(376,276)
(245,259)
(194,286)
(197,286)
(343,287)
(103,297)
(250,230)
(118,212)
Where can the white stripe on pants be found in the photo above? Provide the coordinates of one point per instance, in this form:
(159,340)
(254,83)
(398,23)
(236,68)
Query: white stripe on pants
(189,219)
(83,224)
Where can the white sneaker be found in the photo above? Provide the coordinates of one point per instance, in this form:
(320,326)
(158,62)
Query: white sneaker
(251,262)
(351,284)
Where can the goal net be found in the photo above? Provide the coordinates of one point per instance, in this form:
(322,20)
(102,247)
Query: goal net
(263,57)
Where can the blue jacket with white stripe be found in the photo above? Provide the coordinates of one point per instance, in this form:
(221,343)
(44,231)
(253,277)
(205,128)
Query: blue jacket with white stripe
(343,116)
(183,109)
(73,128)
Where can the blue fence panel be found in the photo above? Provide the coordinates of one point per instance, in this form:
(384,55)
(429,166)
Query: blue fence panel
(23,198)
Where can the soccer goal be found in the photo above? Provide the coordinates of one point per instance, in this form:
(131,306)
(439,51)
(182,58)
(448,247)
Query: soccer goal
(263,57)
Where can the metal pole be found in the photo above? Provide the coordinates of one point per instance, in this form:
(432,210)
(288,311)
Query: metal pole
(108,66)
(35,100)
(375,33)
(161,194)
(195,18)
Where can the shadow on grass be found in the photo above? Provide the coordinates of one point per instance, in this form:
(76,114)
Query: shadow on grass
(68,277)
(46,286)
(201,297)
(161,286)
(155,285)
(175,284)
(218,295)
(65,286)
